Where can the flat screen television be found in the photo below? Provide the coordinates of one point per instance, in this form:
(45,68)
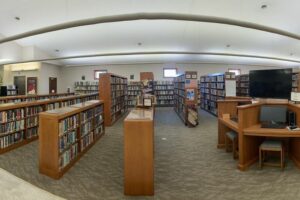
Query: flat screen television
(275,83)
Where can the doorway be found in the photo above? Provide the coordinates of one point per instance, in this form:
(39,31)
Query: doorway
(52,85)
(20,83)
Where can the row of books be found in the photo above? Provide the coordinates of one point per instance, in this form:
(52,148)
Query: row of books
(163,82)
(11,139)
(133,87)
(165,102)
(116,107)
(68,155)
(162,92)
(31,132)
(52,106)
(86,115)
(86,128)
(118,80)
(180,92)
(67,124)
(66,140)
(99,130)
(11,127)
(134,92)
(86,141)
(165,97)
(11,115)
(118,93)
(34,110)
(163,87)
(118,87)
(98,119)
(98,110)
(86,83)
(32,121)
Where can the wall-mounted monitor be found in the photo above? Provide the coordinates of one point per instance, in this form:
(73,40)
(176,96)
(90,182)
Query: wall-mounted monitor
(275,83)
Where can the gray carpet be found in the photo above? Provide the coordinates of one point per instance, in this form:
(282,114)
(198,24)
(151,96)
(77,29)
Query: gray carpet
(187,166)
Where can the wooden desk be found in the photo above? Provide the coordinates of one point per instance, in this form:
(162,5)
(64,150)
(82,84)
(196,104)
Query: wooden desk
(256,130)
(225,125)
(139,152)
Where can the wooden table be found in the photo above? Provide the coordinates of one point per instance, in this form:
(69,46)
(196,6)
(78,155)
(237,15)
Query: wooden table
(139,152)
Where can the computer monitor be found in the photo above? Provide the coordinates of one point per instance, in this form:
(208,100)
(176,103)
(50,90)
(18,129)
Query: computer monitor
(273,114)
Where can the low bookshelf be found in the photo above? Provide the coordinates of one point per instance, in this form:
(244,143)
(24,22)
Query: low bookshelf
(19,122)
(74,130)
(164,92)
(86,87)
(113,91)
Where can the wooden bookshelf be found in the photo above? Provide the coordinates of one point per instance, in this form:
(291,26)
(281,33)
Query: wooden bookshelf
(113,91)
(21,98)
(27,123)
(242,85)
(134,89)
(86,87)
(164,92)
(184,106)
(74,130)
(216,87)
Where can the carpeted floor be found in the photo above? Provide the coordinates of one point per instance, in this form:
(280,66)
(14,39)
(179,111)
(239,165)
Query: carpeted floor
(187,166)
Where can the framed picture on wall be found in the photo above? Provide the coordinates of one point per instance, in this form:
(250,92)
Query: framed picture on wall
(31,85)
(98,72)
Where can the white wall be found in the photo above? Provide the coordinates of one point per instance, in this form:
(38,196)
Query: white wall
(46,71)
(72,74)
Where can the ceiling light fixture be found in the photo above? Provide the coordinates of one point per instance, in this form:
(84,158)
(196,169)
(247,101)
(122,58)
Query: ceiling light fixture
(291,54)
(228,45)
(264,6)
(56,50)
(139,44)
(17,18)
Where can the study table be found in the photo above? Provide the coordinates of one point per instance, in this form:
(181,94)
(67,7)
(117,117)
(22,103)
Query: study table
(250,133)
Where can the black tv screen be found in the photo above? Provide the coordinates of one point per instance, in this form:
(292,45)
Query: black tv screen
(275,83)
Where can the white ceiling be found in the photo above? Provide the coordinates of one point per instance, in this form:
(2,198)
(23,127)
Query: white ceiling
(158,35)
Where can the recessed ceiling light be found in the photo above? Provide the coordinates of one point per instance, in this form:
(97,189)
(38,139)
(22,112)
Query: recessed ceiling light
(140,44)
(291,54)
(264,6)
(56,50)
(228,45)
(17,18)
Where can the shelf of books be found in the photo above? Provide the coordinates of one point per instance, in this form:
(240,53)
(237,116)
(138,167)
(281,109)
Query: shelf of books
(113,91)
(199,92)
(295,82)
(19,121)
(22,98)
(134,90)
(242,85)
(9,90)
(216,87)
(185,98)
(86,87)
(164,92)
(74,130)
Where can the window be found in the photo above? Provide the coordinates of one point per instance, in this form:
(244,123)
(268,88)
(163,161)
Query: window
(170,72)
(98,72)
(236,71)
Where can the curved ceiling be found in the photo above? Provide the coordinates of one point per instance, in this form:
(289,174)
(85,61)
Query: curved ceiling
(160,35)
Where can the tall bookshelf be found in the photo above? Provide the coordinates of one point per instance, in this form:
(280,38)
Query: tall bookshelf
(216,87)
(242,85)
(185,106)
(74,130)
(86,87)
(199,92)
(164,92)
(113,90)
(134,90)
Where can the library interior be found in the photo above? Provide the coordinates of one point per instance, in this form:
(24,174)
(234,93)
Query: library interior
(149,100)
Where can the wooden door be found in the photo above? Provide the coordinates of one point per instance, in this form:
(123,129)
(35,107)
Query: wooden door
(52,85)
(20,83)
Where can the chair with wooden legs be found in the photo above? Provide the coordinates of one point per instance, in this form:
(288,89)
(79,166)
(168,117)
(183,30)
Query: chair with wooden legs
(233,137)
(274,146)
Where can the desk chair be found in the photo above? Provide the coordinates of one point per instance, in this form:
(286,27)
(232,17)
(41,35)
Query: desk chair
(271,145)
(233,137)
